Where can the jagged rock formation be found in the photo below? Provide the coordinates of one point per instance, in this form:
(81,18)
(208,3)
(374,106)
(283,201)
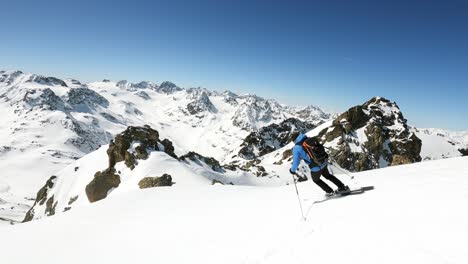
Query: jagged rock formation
(43,99)
(103,182)
(271,138)
(133,144)
(41,198)
(195,157)
(464,152)
(150,182)
(168,88)
(372,135)
(200,102)
(82,99)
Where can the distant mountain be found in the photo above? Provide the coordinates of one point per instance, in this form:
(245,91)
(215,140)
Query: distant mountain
(49,123)
(439,143)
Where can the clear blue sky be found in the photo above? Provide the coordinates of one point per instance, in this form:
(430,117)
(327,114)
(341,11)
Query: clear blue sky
(334,54)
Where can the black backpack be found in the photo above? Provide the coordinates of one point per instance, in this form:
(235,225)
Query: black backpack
(315,151)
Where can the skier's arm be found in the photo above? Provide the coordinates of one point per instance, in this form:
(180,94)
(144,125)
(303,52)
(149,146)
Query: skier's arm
(296,160)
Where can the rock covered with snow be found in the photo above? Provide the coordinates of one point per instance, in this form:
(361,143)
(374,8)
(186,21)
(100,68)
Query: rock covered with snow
(85,97)
(372,135)
(270,138)
(200,102)
(150,182)
(167,87)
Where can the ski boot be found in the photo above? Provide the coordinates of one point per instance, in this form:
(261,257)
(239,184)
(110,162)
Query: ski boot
(343,190)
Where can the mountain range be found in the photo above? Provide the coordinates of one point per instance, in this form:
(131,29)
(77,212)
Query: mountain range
(65,143)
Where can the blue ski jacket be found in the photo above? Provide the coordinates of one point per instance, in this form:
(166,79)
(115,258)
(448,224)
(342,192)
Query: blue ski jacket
(300,154)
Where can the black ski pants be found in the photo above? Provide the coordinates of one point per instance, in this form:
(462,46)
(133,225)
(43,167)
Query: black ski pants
(325,173)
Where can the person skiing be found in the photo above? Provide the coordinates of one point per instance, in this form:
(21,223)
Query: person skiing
(314,154)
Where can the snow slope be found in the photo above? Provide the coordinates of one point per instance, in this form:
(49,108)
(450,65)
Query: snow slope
(439,143)
(416,214)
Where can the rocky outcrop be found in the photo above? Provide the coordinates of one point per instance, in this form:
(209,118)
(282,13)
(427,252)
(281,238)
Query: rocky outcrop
(133,144)
(102,184)
(150,182)
(168,88)
(168,148)
(47,80)
(271,138)
(200,102)
(86,98)
(41,198)
(372,135)
(143,95)
(464,152)
(197,158)
(44,99)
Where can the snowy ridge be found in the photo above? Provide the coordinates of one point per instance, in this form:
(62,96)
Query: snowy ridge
(263,225)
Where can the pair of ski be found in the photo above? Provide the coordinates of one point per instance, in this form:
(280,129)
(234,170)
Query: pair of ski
(360,190)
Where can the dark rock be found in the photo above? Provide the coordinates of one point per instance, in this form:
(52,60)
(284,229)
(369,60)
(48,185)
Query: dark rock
(72,199)
(47,80)
(102,183)
(464,152)
(149,182)
(143,95)
(168,148)
(119,148)
(44,98)
(200,102)
(41,198)
(197,158)
(271,138)
(85,98)
(168,88)
(215,181)
(389,139)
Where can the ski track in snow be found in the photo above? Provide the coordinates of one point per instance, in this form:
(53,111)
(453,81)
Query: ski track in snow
(416,214)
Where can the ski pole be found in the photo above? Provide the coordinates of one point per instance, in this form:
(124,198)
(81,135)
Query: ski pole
(298,198)
(350,176)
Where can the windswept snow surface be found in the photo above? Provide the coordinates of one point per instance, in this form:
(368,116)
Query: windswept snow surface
(416,214)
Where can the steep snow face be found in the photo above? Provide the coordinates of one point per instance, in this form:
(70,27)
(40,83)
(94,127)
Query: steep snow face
(439,143)
(236,224)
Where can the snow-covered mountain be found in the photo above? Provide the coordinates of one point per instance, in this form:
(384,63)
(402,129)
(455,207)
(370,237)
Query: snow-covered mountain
(51,123)
(439,143)
(48,123)
(414,215)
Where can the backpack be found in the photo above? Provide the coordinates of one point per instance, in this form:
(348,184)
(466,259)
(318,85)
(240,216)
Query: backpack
(315,151)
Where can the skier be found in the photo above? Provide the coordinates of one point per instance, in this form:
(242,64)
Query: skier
(314,154)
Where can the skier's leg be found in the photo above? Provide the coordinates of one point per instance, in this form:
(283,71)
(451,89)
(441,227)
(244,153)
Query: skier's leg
(332,178)
(316,178)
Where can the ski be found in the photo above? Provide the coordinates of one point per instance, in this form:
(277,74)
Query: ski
(357,191)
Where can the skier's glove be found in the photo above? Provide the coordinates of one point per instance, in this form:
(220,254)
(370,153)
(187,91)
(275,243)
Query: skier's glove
(293,173)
